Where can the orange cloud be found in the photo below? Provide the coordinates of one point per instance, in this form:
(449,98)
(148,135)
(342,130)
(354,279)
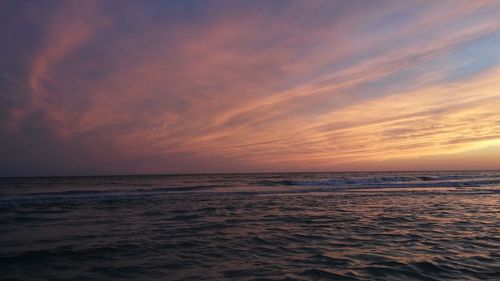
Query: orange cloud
(259,88)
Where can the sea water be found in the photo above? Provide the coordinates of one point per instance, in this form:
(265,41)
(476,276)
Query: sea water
(290,226)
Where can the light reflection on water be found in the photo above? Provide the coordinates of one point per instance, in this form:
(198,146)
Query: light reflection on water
(409,233)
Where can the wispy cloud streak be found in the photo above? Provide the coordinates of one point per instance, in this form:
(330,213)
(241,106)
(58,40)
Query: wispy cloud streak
(238,86)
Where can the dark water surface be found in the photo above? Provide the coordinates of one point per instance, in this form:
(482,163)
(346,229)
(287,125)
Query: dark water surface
(321,226)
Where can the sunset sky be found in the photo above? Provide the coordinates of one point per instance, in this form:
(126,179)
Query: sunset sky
(118,87)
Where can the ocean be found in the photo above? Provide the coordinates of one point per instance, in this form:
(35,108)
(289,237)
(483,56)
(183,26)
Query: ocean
(275,226)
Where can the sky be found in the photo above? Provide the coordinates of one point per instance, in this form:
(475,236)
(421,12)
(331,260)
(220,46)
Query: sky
(146,87)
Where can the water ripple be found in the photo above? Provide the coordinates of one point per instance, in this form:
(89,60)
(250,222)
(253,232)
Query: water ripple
(350,235)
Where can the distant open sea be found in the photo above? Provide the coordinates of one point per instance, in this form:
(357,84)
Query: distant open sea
(291,226)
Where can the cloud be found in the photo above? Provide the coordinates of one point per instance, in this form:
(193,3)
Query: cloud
(236,86)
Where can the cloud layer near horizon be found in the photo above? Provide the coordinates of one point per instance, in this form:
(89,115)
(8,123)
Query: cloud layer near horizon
(100,87)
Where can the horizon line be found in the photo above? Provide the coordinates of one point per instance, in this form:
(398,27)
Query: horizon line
(248,173)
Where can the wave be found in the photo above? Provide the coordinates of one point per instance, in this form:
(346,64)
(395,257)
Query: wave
(98,194)
(457,180)
(240,184)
